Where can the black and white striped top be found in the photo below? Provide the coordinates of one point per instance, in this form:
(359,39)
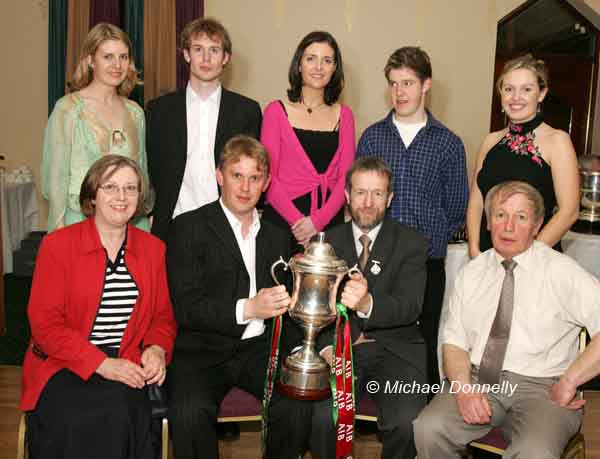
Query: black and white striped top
(118,299)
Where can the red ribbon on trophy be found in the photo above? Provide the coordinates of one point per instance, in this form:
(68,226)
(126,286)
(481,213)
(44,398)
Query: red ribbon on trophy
(270,380)
(342,386)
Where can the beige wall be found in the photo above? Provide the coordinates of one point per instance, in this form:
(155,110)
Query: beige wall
(594,4)
(460,37)
(23,84)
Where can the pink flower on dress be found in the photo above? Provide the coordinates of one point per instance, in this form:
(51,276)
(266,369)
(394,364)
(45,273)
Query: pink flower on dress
(522,144)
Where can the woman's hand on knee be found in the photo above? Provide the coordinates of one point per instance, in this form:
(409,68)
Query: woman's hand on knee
(154,364)
(122,370)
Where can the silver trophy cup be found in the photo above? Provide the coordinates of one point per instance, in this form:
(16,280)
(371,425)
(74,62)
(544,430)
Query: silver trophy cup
(316,276)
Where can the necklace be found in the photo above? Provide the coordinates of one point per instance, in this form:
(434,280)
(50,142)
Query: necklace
(311,109)
(118,137)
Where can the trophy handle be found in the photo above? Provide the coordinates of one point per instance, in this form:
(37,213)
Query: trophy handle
(354,270)
(281,261)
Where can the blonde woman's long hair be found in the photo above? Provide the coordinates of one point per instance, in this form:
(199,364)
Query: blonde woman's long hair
(84,74)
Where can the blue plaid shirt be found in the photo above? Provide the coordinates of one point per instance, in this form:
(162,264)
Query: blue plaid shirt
(430,178)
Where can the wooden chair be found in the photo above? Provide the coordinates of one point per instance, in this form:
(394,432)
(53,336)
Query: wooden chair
(366,410)
(22,452)
(21,443)
(494,441)
(239,406)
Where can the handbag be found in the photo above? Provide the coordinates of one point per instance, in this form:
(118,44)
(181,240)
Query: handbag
(158,401)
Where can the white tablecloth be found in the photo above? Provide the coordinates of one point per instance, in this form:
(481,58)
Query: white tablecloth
(20,216)
(584,248)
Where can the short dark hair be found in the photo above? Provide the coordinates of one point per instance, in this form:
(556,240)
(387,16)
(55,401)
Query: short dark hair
(209,26)
(411,57)
(96,176)
(370,163)
(244,145)
(335,85)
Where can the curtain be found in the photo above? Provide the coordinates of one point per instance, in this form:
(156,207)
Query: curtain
(159,48)
(105,11)
(133,25)
(186,11)
(57,50)
(77,28)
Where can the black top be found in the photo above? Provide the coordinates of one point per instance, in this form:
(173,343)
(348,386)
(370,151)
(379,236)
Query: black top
(516,157)
(320,147)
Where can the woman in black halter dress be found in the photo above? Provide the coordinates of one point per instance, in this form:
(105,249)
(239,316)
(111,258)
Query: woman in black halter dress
(528,150)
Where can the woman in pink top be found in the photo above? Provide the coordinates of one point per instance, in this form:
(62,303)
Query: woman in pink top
(311,142)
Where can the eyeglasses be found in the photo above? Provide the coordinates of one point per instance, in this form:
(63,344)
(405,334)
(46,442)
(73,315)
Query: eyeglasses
(113,189)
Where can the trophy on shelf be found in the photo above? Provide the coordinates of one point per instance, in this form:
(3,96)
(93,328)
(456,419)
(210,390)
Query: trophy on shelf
(316,276)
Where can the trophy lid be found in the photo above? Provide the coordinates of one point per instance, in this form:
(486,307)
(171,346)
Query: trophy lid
(319,258)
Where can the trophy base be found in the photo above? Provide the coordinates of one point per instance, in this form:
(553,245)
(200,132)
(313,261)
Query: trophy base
(301,383)
(303,394)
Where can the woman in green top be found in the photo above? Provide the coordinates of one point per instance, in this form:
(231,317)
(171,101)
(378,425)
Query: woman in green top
(94,120)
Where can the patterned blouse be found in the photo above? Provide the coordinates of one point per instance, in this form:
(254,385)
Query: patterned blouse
(75,137)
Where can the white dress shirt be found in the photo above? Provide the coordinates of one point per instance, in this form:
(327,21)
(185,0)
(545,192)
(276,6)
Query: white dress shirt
(357,233)
(254,327)
(554,297)
(199,185)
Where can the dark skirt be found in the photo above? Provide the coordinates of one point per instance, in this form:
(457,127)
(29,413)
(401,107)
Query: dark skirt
(90,419)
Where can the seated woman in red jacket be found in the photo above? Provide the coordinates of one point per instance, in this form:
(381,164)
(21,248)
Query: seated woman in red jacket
(102,325)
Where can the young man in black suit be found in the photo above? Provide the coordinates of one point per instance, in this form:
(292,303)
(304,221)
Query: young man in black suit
(384,304)
(218,261)
(187,129)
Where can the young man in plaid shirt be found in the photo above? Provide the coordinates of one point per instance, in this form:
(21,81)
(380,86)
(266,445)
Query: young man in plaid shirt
(430,176)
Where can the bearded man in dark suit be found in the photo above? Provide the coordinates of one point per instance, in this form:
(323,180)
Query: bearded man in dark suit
(384,305)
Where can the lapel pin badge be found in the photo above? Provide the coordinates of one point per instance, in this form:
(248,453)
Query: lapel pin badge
(375,268)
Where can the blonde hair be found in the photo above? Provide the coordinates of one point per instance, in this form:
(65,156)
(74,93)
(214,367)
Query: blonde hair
(503,191)
(527,61)
(244,145)
(84,74)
